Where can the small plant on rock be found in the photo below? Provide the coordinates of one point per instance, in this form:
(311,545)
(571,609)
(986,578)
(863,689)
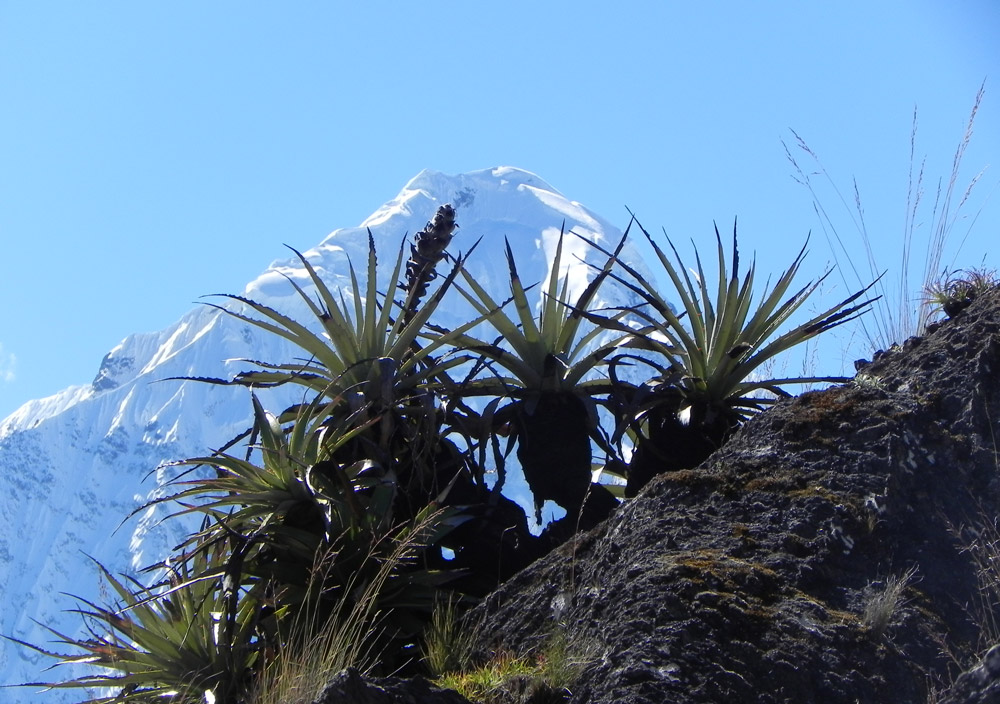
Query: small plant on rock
(955,292)
(299,556)
(447,641)
(884,602)
(545,675)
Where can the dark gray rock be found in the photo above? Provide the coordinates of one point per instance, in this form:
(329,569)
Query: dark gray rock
(980,685)
(765,574)
(113,368)
(351,687)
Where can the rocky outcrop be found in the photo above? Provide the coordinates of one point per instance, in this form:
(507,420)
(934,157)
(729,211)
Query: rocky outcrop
(836,550)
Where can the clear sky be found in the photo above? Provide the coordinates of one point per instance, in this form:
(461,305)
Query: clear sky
(151,153)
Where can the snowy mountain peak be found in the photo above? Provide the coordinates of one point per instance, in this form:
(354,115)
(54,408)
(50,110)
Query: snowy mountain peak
(72,466)
(435,187)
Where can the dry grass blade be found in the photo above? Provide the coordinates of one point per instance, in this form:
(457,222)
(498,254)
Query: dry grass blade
(884,602)
(900,314)
(316,646)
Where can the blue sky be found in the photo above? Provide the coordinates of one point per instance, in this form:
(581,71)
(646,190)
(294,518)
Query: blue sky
(151,153)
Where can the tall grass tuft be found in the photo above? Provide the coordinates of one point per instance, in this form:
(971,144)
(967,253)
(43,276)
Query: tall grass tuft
(319,645)
(448,643)
(901,312)
(883,603)
(981,541)
(544,675)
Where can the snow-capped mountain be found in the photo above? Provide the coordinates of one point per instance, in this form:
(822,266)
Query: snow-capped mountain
(73,466)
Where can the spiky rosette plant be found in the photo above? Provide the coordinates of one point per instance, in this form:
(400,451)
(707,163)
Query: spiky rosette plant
(166,644)
(364,355)
(295,501)
(376,362)
(955,291)
(546,370)
(707,357)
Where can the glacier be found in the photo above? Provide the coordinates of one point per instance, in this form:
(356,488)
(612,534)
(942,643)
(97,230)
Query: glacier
(75,465)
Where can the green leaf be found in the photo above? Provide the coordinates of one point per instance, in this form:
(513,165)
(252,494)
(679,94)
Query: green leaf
(714,342)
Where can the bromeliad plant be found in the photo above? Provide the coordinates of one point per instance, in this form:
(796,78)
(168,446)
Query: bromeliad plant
(368,364)
(166,645)
(276,515)
(546,368)
(706,358)
(365,354)
(375,363)
(954,292)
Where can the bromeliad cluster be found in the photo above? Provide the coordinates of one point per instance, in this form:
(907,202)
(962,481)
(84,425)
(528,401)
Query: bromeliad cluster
(346,517)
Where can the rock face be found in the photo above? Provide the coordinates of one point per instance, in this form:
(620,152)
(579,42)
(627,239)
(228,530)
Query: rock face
(838,549)
(980,685)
